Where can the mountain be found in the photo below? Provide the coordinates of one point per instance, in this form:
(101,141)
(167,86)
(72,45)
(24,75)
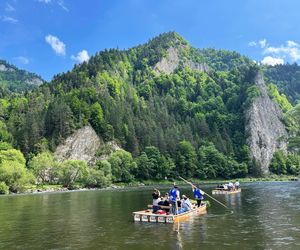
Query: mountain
(13,79)
(287,78)
(175,109)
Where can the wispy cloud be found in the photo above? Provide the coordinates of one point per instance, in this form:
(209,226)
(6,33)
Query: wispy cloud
(9,8)
(269,60)
(263,43)
(22,59)
(58,46)
(8,19)
(44,1)
(60,3)
(81,56)
(252,44)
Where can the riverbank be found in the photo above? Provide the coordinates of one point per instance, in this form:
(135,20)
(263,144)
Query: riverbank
(60,188)
(219,181)
(34,189)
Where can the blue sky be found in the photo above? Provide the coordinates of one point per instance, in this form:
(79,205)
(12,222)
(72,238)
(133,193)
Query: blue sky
(49,36)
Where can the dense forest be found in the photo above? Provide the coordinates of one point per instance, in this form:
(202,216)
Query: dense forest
(189,122)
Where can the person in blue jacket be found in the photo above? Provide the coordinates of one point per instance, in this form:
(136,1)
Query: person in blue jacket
(174,195)
(198,195)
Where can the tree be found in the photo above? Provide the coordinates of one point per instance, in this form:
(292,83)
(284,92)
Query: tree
(186,159)
(122,166)
(12,170)
(278,163)
(72,171)
(96,118)
(43,166)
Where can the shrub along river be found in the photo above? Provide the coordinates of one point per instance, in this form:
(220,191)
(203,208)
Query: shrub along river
(266,215)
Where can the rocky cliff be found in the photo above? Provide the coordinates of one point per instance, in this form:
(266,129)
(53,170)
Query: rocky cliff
(87,146)
(82,145)
(265,128)
(172,60)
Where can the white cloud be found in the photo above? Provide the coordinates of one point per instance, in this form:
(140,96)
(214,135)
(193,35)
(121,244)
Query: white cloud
(252,44)
(290,49)
(81,56)
(58,46)
(269,60)
(8,19)
(22,59)
(263,43)
(9,8)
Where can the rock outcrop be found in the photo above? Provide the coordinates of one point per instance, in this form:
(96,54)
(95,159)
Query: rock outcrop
(172,60)
(82,145)
(169,63)
(5,68)
(264,127)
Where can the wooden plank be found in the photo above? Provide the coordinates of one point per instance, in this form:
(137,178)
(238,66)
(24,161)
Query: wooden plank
(163,207)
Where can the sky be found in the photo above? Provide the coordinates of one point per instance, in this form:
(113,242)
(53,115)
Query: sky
(48,37)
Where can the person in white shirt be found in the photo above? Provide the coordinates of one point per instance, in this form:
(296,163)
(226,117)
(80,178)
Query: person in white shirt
(156,200)
(237,184)
(186,204)
(230,186)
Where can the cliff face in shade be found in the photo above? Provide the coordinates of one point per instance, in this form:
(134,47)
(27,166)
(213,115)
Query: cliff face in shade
(264,127)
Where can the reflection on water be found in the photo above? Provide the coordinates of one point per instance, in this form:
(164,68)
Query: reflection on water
(265,216)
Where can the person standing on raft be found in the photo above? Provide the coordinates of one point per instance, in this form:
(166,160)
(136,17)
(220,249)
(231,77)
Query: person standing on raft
(198,195)
(174,195)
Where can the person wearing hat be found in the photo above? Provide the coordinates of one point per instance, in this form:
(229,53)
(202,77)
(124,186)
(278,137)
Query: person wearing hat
(186,204)
(174,194)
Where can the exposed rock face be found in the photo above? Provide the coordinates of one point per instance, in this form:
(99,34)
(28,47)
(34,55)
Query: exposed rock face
(34,81)
(170,63)
(82,145)
(264,126)
(4,68)
(197,66)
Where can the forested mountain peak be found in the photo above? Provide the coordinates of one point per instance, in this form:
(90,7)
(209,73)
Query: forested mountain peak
(166,100)
(16,80)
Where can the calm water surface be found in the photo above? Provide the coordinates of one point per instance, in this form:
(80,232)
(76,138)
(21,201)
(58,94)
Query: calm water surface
(265,216)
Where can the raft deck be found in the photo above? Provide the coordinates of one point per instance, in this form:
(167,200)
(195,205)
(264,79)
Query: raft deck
(148,216)
(223,191)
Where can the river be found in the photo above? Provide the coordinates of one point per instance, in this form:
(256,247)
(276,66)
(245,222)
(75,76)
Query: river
(265,215)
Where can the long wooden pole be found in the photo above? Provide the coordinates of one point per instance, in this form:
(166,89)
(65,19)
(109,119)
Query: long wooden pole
(205,193)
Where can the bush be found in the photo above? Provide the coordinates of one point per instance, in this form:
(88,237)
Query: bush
(97,178)
(3,188)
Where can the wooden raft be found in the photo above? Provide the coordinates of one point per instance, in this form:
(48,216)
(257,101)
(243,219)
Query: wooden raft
(148,216)
(223,191)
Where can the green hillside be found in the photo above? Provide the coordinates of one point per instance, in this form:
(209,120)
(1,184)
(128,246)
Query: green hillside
(14,80)
(189,122)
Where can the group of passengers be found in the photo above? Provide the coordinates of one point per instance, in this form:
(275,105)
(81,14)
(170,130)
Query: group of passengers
(161,204)
(230,186)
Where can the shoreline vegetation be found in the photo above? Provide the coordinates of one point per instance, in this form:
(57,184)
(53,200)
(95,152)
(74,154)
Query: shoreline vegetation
(37,189)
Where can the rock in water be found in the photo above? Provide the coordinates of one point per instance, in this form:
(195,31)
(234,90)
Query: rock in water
(265,128)
(82,145)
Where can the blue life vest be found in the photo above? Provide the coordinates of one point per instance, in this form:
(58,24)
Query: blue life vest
(197,194)
(173,194)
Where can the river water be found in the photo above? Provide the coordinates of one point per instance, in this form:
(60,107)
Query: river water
(265,216)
